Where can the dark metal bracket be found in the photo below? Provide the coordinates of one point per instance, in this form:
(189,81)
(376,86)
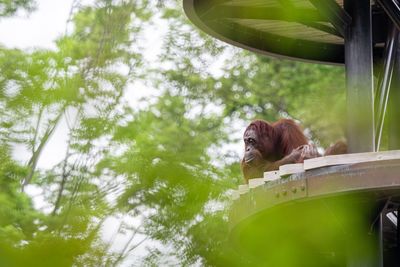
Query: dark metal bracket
(392,9)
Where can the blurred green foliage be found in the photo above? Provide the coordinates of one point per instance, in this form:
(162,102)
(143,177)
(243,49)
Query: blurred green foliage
(10,7)
(162,162)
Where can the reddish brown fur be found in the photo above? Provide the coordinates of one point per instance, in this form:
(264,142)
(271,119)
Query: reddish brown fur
(338,148)
(274,146)
(283,136)
(270,145)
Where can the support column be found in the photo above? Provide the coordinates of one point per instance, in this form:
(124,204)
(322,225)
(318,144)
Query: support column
(394,105)
(358,60)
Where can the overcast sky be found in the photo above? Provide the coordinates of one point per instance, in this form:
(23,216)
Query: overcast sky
(39,29)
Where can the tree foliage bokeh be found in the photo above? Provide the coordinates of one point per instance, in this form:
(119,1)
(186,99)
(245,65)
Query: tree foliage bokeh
(162,161)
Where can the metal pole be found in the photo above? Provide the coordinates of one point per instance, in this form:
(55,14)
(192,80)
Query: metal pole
(380,237)
(398,230)
(383,89)
(392,9)
(358,60)
(394,104)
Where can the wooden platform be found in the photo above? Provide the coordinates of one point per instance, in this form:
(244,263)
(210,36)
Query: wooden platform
(286,171)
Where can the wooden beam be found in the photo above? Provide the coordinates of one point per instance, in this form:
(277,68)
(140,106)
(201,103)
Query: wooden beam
(271,176)
(235,195)
(263,13)
(350,159)
(256,182)
(243,189)
(322,27)
(291,169)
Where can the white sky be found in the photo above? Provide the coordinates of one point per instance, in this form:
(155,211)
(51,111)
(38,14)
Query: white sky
(39,29)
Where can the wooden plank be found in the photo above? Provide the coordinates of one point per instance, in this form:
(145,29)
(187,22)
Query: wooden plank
(253,183)
(271,176)
(291,169)
(243,189)
(290,29)
(235,195)
(350,159)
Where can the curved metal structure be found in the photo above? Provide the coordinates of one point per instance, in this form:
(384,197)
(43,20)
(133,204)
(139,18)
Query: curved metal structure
(310,30)
(316,215)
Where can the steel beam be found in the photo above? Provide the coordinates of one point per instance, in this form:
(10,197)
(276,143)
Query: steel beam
(392,9)
(379,229)
(383,89)
(359,78)
(398,230)
(394,104)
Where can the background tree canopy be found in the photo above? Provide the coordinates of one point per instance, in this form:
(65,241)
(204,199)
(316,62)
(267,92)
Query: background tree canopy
(163,167)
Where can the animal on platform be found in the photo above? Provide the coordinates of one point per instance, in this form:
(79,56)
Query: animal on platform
(270,145)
